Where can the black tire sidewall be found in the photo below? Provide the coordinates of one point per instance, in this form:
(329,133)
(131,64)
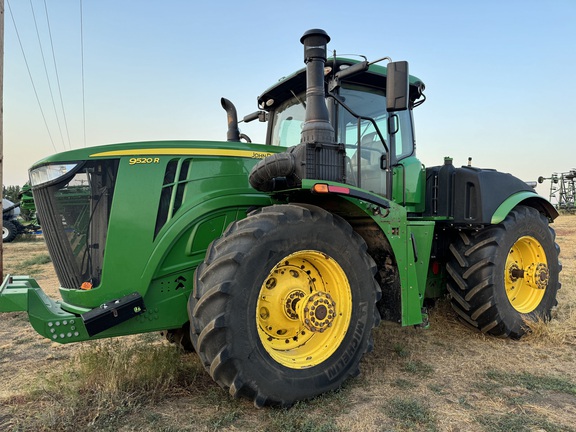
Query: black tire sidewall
(536,227)
(256,364)
(12,231)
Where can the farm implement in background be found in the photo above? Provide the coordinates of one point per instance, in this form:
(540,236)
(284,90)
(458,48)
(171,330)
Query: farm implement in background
(12,223)
(562,190)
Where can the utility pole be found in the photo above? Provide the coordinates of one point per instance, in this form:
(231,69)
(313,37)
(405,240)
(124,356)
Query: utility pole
(1,129)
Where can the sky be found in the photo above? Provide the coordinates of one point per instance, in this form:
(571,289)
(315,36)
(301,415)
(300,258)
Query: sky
(499,74)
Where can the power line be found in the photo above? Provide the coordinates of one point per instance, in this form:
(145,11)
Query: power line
(30,75)
(57,77)
(46,72)
(82,61)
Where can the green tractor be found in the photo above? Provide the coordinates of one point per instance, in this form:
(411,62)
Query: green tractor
(275,262)
(13,213)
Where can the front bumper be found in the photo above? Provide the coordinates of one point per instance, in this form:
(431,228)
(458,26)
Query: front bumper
(23,294)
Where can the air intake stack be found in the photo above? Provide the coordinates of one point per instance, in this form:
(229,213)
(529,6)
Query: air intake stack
(318,156)
(317,127)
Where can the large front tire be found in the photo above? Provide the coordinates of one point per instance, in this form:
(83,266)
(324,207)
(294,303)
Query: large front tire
(284,305)
(506,275)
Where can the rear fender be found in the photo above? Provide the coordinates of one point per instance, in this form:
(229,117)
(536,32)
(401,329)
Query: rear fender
(530,199)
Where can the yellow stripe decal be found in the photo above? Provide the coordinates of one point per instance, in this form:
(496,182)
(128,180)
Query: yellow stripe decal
(185,152)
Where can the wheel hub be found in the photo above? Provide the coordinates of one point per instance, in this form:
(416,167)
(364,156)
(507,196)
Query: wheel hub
(527,275)
(304,309)
(542,276)
(538,278)
(515,272)
(318,312)
(291,303)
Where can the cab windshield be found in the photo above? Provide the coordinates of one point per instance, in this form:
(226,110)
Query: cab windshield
(364,149)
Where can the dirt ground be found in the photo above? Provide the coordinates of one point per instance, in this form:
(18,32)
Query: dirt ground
(445,378)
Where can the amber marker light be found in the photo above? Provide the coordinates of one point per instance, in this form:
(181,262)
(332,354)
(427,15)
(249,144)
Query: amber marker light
(86,286)
(324,188)
(320,188)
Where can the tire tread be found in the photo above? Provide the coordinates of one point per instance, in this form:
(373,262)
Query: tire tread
(473,285)
(213,281)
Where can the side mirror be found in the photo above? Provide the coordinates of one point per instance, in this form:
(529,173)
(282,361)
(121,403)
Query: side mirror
(397,82)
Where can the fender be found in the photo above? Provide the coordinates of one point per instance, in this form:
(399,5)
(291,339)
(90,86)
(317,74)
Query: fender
(529,198)
(471,196)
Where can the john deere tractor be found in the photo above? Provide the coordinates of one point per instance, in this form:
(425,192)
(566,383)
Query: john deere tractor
(275,261)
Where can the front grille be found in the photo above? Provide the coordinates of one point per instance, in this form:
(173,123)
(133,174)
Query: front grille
(74,212)
(52,228)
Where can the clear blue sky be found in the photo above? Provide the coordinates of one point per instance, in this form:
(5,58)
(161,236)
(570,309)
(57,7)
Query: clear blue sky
(499,74)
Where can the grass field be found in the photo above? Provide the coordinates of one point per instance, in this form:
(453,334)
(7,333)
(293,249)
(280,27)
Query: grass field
(446,378)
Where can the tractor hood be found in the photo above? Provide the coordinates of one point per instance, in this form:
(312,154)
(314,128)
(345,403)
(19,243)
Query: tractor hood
(157,148)
(75,193)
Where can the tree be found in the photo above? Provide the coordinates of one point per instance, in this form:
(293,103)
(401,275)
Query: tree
(11,193)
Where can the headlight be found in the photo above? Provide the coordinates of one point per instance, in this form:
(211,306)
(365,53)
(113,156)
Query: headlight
(48,173)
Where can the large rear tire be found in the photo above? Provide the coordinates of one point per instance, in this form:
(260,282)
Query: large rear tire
(506,275)
(284,305)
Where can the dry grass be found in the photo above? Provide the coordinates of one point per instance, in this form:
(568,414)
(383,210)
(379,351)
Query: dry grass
(447,378)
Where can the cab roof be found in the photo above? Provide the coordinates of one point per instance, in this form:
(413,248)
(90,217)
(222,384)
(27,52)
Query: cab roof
(295,83)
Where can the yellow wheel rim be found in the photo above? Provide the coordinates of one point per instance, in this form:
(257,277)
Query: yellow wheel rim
(526,274)
(304,309)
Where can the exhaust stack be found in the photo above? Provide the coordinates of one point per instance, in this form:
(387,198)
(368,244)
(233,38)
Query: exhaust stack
(233,133)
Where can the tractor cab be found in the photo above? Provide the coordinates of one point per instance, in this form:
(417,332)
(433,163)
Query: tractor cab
(376,142)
